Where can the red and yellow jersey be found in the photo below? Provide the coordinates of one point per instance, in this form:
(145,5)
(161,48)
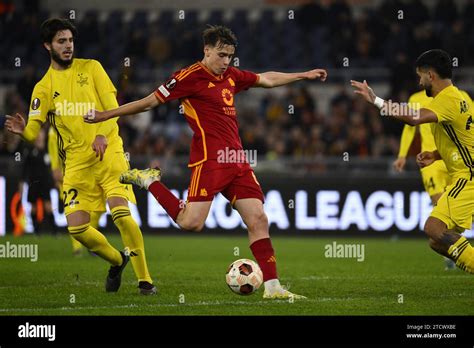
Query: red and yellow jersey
(208,102)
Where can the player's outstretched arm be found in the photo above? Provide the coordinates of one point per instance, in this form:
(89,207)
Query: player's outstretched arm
(272,79)
(17,125)
(393,109)
(132,108)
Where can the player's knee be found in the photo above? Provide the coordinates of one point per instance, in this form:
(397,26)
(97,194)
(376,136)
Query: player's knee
(433,244)
(192,225)
(431,229)
(77,231)
(257,221)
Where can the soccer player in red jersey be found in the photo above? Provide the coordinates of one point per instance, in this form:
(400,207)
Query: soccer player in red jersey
(206,90)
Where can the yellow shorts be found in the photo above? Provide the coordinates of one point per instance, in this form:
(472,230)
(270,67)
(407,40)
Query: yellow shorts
(435,178)
(88,189)
(456,206)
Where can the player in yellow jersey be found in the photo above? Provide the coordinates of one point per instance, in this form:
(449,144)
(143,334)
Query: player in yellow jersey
(450,117)
(435,177)
(57,170)
(93,155)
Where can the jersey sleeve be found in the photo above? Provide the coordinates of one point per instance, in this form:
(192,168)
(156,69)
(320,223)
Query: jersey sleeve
(105,88)
(466,96)
(38,112)
(176,87)
(244,79)
(40,104)
(108,97)
(53,150)
(443,107)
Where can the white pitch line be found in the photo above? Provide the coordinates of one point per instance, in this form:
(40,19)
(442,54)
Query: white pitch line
(158,305)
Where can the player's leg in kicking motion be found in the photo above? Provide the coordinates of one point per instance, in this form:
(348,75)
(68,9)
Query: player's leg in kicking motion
(79,227)
(192,217)
(251,211)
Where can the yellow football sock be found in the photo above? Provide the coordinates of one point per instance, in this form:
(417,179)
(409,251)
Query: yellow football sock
(132,239)
(463,254)
(76,246)
(96,242)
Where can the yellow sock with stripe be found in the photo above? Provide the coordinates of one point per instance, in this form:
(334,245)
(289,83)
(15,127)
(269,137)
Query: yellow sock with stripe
(96,242)
(463,254)
(132,239)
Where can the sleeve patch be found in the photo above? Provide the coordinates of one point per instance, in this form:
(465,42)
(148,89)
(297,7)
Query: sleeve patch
(34,113)
(170,84)
(164,91)
(35,104)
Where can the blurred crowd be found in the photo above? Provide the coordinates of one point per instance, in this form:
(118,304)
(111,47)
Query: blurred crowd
(389,36)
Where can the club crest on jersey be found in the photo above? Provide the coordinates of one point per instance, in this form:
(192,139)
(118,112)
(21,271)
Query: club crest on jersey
(170,84)
(82,80)
(228,97)
(35,104)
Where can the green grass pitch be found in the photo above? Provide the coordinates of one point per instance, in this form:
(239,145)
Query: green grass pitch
(397,277)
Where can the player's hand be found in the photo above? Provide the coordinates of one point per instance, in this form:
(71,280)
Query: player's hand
(364,90)
(94,116)
(399,164)
(15,124)
(425,158)
(315,74)
(99,146)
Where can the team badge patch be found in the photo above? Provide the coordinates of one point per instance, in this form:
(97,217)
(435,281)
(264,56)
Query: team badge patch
(170,84)
(35,104)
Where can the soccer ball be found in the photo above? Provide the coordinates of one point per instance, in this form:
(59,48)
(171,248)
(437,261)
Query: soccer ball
(244,277)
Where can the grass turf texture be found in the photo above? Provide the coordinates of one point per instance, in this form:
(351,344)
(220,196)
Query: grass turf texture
(189,272)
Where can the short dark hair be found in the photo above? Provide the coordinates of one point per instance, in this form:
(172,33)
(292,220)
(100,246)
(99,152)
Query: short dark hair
(215,34)
(438,60)
(51,26)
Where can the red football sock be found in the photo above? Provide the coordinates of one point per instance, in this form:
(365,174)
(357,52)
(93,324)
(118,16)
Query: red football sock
(263,252)
(166,198)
